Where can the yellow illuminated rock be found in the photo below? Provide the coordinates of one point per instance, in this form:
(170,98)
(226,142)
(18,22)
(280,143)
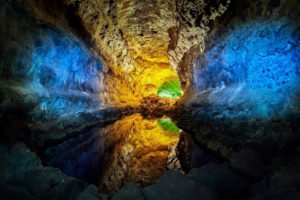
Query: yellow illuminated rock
(145,43)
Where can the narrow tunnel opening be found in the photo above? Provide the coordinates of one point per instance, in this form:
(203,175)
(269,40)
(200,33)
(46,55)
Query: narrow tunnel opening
(170,89)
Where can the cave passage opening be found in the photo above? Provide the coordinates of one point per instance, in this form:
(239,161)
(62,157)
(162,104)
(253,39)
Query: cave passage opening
(170,89)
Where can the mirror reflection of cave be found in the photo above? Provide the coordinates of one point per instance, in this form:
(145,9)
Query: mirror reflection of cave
(150,100)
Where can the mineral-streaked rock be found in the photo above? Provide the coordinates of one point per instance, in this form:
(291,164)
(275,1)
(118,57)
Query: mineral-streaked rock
(144,42)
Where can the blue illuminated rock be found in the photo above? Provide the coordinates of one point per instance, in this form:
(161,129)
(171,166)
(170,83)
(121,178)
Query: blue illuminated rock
(253,69)
(46,71)
(61,71)
(50,80)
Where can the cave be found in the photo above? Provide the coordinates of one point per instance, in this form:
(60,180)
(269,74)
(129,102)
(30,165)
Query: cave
(149,99)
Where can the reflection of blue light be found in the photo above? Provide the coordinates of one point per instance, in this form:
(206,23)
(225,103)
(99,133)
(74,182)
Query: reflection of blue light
(81,157)
(61,71)
(255,68)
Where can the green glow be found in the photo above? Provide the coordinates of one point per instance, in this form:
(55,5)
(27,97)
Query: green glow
(168,125)
(170,89)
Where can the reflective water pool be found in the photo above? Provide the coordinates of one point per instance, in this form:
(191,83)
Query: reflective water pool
(131,149)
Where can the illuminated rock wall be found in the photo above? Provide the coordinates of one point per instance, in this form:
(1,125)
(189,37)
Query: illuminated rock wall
(61,71)
(252,68)
(49,69)
(144,42)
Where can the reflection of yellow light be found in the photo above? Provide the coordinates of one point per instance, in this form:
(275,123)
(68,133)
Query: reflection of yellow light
(140,148)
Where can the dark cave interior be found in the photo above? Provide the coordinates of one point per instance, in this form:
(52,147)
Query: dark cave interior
(149,100)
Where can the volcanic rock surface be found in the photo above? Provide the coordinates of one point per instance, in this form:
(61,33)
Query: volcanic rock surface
(144,42)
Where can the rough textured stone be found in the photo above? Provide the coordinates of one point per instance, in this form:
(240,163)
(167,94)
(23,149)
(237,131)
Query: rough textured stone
(249,66)
(142,38)
(26,177)
(49,78)
(174,185)
(282,181)
(283,184)
(19,161)
(195,17)
(129,192)
(222,179)
(15,193)
(45,68)
(91,192)
(248,162)
(251,129)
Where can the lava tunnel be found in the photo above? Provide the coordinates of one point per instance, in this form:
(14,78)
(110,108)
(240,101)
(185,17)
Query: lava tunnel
(149,100)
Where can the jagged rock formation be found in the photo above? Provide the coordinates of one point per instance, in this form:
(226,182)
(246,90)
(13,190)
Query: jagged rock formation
(81,55)
(50,80)
(247,77)
(145,43)
(31,180)
(245,105)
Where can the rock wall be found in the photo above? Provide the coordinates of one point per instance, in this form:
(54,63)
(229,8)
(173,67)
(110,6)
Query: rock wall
(24,177)
(245,102)
(46,64)
(246,83)
(251,63)
(144,42)
(50,81)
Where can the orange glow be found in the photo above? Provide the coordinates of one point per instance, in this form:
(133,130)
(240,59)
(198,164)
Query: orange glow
(147,64)
(129,88)
(140,149)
